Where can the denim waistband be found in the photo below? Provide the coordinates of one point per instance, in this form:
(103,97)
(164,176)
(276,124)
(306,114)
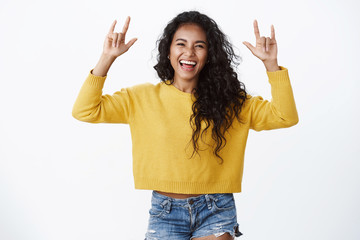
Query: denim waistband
(162,199)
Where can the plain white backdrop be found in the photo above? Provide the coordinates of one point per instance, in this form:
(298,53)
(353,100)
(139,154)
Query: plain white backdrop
(65,179)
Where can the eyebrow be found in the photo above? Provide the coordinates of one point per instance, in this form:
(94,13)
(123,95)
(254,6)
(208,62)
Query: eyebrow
(198,41)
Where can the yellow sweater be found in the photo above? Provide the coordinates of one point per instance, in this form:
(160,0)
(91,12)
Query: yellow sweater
(158,116)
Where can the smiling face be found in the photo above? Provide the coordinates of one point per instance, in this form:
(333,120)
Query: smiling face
(188,52)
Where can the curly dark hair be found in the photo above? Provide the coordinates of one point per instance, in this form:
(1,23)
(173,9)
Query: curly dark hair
(219,94)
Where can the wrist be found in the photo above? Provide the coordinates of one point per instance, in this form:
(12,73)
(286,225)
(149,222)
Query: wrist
(103,65)
(107,57)
(271,65)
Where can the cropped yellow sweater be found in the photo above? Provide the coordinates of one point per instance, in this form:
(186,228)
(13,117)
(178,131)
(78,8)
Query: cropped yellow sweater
(158,116)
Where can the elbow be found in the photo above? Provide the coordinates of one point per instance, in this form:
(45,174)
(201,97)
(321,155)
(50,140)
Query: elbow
(86,116)
(292,121)
(81,116)
(77,115)
(291,118)
(296,120)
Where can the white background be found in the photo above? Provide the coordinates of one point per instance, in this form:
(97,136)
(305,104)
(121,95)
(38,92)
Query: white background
(65,179)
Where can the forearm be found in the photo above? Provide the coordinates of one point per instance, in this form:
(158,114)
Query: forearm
(88,102)
(282,96)
(103,65)
(93,107)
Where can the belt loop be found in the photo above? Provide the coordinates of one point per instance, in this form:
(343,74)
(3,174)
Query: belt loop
(208,201)
(167,204)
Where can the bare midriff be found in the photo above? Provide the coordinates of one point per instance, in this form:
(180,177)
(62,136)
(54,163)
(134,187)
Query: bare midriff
(178,195)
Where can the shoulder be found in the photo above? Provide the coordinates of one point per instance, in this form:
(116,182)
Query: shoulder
(142,90)
(140,87)
(251,101)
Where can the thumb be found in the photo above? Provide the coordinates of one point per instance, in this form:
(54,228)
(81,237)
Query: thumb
(130,43)
(249,46)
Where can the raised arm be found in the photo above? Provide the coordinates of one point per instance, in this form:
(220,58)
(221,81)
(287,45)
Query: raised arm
(91,105)
(281,111)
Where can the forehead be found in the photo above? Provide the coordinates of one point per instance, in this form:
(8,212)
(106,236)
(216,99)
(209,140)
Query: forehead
(190,31)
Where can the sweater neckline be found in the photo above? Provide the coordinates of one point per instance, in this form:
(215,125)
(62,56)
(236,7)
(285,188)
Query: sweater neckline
(178,91)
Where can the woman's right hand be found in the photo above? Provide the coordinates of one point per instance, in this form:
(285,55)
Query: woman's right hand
(114,44)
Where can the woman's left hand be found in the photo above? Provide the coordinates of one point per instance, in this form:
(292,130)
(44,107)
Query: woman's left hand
(266,48)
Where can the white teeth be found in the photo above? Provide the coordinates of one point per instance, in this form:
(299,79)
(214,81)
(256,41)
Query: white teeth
(188,62)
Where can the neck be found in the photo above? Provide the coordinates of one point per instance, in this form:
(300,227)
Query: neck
(185,86)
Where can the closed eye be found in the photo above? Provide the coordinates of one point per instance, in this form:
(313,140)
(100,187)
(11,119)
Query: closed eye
(181,44)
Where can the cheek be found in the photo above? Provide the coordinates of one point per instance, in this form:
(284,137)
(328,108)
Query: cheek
(205,56)
(174,57)
(204,59)
(174,52)
(173,62)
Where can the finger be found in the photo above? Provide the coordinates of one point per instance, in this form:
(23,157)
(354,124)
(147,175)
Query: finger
(249,46)
(267,43)
(121,38)
(130,43)
(262,43)
(272,32)
(118,42)
(112,28)
(126,25)
(115,38)
(256,30)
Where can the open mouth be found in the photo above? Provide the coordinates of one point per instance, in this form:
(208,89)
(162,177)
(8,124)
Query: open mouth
(187,65)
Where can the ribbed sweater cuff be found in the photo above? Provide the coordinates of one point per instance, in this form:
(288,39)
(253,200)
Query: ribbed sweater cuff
(279,77)
(95,81)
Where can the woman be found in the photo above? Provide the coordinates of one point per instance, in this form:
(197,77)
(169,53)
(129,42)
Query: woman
(192,196)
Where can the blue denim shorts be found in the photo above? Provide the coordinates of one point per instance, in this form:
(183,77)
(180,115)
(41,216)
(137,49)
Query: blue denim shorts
(184,219)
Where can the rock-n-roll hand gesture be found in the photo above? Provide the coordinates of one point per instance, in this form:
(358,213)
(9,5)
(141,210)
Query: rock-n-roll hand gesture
(266,48)
(114,44)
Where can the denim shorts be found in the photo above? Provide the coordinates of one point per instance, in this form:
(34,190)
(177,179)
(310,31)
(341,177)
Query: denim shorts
(184,219)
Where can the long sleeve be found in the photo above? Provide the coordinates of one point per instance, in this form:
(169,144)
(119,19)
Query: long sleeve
(93,107)
(281,111)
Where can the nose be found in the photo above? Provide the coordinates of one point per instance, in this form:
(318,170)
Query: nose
(190,51)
